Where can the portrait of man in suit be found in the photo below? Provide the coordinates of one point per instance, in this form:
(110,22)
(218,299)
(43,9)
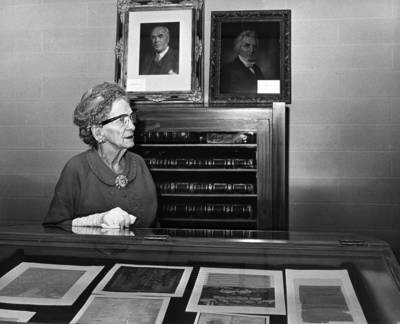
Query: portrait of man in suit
(241,74)
(162,58)
(249,55)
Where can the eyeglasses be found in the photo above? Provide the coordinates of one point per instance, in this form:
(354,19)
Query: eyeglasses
(123,119)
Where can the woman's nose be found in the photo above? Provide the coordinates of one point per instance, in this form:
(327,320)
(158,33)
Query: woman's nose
(130,124)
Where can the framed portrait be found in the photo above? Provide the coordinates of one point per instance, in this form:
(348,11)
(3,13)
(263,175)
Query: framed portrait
(159,51)
(250,57)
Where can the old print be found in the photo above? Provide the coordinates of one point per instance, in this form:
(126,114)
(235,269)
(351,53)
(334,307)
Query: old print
(133,279)
(322,296)
(206,318)
(9,315)
(45,284)
(238,291)
(138,310)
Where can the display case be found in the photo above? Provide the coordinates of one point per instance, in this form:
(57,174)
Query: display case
(216,168)
(370,264)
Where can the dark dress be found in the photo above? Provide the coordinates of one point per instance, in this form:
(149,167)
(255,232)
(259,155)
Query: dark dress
(237,78)
(168,64)
(87,186)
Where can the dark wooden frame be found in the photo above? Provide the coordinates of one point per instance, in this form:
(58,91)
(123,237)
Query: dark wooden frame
(224,25)
(192,89)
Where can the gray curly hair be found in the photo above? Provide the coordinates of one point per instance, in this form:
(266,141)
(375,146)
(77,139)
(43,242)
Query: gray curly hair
(239,39)
(95,105)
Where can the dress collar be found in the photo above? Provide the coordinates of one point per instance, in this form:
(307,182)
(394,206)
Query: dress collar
(104,173)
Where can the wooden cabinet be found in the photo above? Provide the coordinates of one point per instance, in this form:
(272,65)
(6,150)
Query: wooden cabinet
(216,167)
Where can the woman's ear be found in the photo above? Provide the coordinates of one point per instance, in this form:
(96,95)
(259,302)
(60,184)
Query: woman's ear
(98,135)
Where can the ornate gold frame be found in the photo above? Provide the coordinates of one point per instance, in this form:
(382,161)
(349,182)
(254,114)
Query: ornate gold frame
(194,70)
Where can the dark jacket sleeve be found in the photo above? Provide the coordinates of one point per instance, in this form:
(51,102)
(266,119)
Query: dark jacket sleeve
(62,206)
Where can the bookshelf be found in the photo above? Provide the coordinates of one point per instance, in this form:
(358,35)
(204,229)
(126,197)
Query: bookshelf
(216,167)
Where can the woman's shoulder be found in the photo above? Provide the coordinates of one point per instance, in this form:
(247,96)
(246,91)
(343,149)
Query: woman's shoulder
(77,161)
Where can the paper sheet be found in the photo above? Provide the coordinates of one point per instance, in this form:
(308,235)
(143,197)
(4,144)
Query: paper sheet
(206,318)
(18,316)
(322,296)
(45,284)
(103,309)
(246,291)
(150,280)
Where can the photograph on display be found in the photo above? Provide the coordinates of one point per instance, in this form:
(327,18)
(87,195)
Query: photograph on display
(133,279)
(9,315)
(155,38)
(207,318)
(322,296)
(45,284)
(244,291)
(159,52)
(250,56)
(108,309)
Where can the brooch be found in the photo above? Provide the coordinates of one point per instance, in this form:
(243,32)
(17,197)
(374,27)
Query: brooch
(121,181)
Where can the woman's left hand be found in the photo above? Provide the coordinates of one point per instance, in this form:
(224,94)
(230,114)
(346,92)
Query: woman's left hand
(117,218)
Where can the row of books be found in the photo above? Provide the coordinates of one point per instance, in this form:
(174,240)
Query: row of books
(204,187)
(196,138)
(200,163)
(208,210)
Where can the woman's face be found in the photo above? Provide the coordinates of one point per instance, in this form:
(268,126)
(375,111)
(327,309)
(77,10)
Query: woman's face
(120,132)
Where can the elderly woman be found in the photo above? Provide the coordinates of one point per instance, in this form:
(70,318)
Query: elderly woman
(107,185)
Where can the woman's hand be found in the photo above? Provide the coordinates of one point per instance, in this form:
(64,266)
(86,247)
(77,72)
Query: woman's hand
(117,218)
(114,218)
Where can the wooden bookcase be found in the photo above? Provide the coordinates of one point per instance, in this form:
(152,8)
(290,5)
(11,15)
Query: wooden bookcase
(216,167)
